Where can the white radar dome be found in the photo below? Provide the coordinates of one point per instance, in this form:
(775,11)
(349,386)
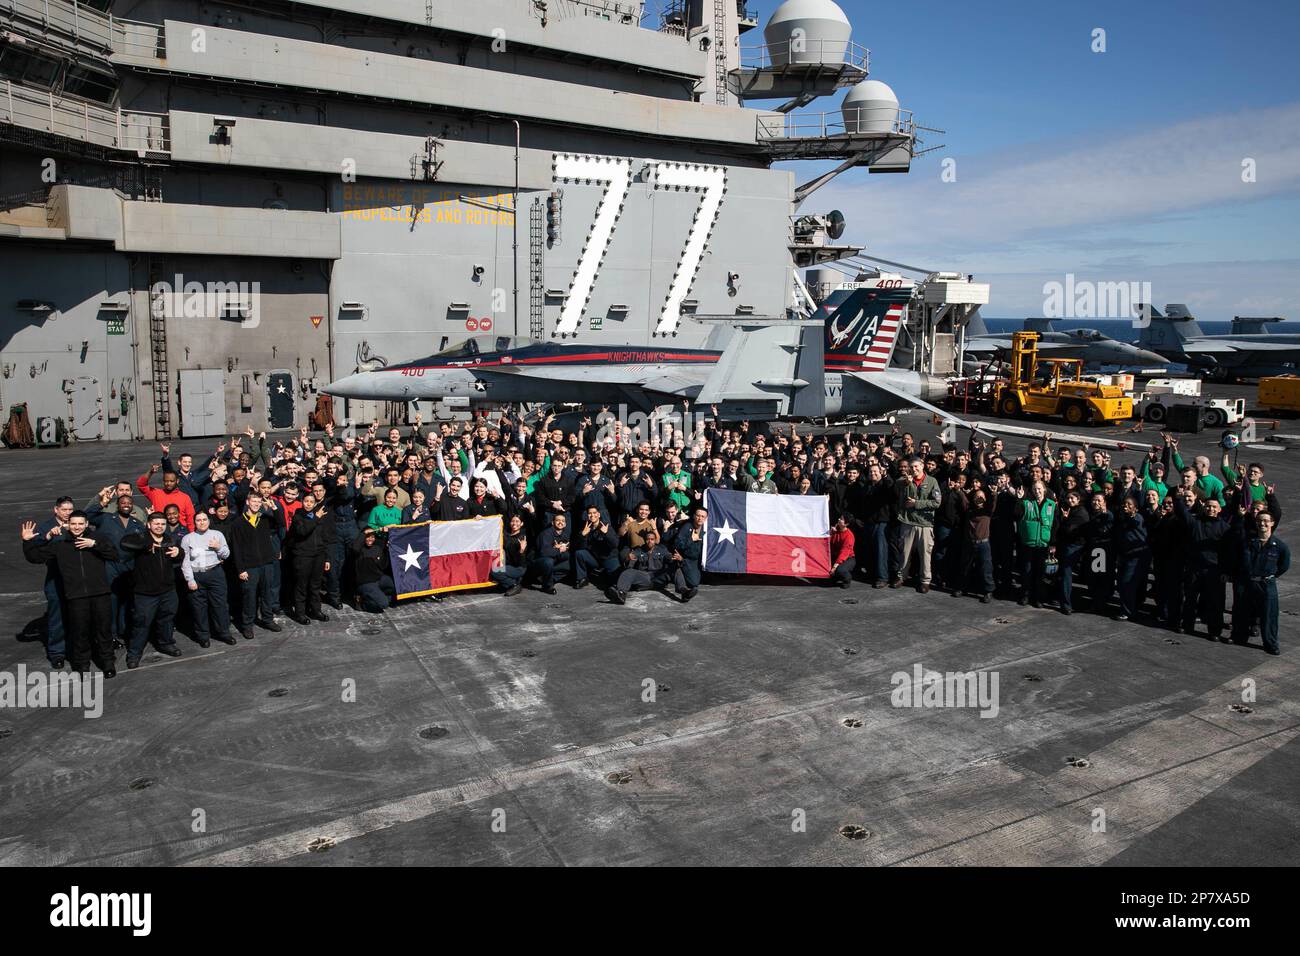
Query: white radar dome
(807,31)
(870,107)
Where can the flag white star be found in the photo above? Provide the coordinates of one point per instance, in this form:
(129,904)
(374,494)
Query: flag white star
(411,558)
(726,532)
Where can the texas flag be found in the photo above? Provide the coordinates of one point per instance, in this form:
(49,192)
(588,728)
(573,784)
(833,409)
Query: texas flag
(438,556)
(767,534)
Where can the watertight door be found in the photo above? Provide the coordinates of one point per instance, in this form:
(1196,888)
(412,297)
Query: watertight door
(279,399)
(87,410)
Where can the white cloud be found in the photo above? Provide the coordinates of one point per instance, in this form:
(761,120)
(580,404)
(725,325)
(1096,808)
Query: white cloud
(1030,216)
(1133,177)
(1214,291)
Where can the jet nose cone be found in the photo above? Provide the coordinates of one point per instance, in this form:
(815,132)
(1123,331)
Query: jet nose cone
(347,387)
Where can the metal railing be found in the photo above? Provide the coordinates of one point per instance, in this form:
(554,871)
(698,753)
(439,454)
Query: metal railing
(43,109)
(848,122)
(83,25)
(616,11)
(805,52)
(133,38)
(672,17)
(86,26)
(139,130)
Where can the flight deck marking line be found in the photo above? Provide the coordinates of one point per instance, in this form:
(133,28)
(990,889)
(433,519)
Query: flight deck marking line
(1060,837)
(1159,731)
(419,805)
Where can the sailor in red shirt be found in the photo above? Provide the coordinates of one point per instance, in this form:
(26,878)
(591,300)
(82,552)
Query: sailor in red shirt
(169,494)
(842,562)
(289,502)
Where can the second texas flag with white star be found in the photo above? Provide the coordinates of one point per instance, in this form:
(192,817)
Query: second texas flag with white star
(438,556)
(767,534)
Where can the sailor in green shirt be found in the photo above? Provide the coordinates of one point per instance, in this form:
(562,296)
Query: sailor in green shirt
(1036,526)
(678,484)
(537,474)
(381,516)
(1153,476)
(1254,478)
(1100,471)
(1207,485)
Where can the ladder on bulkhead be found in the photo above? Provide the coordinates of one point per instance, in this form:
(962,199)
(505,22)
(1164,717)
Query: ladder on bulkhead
(720,52)
(536,238)
(161,378)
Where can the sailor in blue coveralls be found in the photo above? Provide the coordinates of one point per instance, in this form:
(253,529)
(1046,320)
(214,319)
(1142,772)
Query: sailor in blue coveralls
(1263,559)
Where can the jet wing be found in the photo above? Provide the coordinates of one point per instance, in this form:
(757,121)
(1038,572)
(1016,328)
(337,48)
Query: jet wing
(1207,346)
(649,378)
(983,344)
(877,382)
(673,385)
(997,344)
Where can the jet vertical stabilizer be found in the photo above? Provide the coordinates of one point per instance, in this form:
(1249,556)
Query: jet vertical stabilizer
(770,368)
(862,330)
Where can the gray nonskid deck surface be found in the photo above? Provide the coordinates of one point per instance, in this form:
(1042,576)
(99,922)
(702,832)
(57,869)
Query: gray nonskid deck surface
(543,750)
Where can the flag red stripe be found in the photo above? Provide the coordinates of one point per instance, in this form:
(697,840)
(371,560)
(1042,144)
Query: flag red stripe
(459,570)
(788,556)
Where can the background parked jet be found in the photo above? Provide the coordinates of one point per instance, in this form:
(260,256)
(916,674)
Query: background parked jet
(1178,337)
(1087,344)
(851,364)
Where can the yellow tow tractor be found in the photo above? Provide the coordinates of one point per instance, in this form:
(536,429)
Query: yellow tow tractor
(1056,387)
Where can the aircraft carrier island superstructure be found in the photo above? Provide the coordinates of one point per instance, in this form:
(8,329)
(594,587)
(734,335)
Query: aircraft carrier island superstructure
(210,210)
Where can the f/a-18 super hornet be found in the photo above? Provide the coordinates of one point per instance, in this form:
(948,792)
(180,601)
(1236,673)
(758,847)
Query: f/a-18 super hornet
(1178,337)
(835,364)
(1090,345)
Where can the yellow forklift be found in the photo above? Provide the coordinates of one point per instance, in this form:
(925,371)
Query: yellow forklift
(1056,388)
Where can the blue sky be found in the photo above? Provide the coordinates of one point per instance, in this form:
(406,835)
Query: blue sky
(1115,166)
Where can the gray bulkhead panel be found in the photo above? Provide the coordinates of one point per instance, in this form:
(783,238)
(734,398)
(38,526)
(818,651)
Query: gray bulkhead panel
(275,144)
(278,334)
(299,63)
(566,27)
(65,334)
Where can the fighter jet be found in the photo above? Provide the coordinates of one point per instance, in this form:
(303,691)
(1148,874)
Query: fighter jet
(1087,344)
(1178,337)
(757,362)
